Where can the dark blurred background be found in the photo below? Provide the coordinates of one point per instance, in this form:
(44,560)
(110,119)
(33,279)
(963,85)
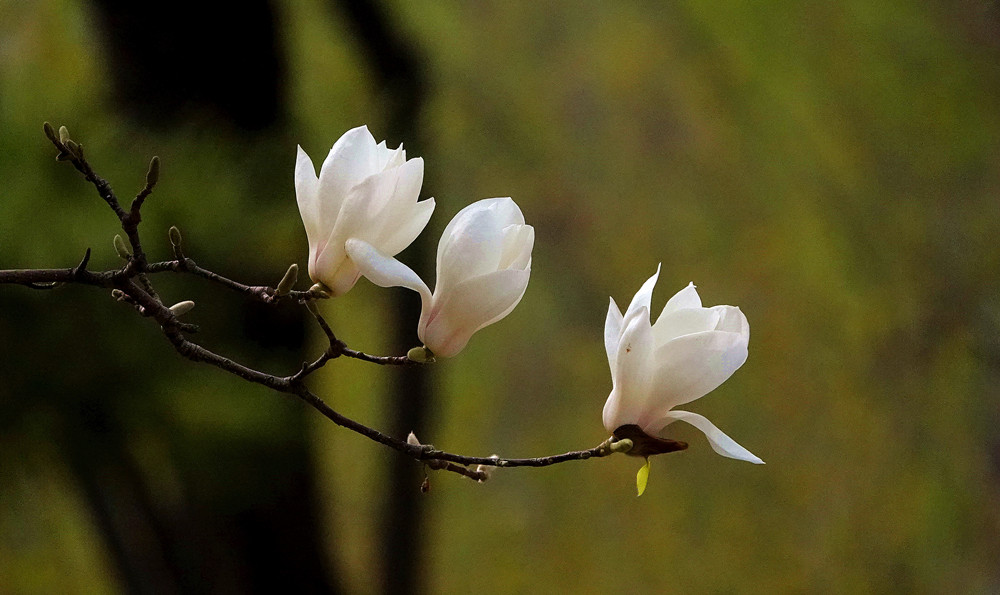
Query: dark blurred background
(831,169)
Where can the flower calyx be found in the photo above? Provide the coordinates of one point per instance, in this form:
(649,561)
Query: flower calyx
(644,445)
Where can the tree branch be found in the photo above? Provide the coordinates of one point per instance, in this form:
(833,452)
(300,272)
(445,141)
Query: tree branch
(131,284)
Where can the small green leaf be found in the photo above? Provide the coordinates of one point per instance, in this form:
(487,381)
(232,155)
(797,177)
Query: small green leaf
(642,477)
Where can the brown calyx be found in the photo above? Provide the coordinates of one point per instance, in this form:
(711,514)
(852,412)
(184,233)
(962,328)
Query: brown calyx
(644,445)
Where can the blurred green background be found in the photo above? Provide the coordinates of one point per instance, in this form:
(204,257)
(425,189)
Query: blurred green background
(830,168)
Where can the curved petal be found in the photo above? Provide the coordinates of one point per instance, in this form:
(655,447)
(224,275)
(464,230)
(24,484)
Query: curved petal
(691,366)
(385,271)
(468,307)
(329,256)
(334,269)
(365,204)
(731,319)
(515,252)
(504,210)
(685,298)
(306,187)
(470,247)
(351,159)
(642,297)
(684,322)
(386,215)
(521,278)
(409,228)
(722,444)
(386,157)
(633,374)
(612,335)
(612,415)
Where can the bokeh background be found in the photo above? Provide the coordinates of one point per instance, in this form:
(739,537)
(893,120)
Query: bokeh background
(830,168)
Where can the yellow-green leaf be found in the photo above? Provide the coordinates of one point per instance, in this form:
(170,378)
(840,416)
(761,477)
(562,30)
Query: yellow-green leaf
(642,477)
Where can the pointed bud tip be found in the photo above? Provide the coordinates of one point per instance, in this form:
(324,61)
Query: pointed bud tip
(181,308)
(288,281)
(412,440)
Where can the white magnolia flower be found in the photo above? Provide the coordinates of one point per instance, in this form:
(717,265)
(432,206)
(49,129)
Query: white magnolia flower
(687,353)
(365,191)
(483,265)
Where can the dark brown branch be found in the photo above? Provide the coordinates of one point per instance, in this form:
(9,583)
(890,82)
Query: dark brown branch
(131,285)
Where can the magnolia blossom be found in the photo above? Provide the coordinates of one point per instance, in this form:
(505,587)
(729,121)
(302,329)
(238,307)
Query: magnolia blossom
(365,191)
(483,265)
(686,354)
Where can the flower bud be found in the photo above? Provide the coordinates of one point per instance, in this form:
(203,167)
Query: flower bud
(175,236)
(364,190)
(153,174)
(288,281)
(483,266)
(181,308)
(49,132)
(121,248)
(412,440)
(63,134)
(73,148)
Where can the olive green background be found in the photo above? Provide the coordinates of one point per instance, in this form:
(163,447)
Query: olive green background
(832,169)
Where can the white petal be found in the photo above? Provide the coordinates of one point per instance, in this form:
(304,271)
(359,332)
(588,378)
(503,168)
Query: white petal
(470,306)
(352,159)
(306,186)
(612,414)
(515,252)
(612,334)
(470,247)
(367,210)
(397,209)
(691,366)
(633,373)
(685,298)
(642,297)
(732,319)
(722,444)
(386,157)
(385,271)
(409,228)
(684,322)
(503,209)
(326,260)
